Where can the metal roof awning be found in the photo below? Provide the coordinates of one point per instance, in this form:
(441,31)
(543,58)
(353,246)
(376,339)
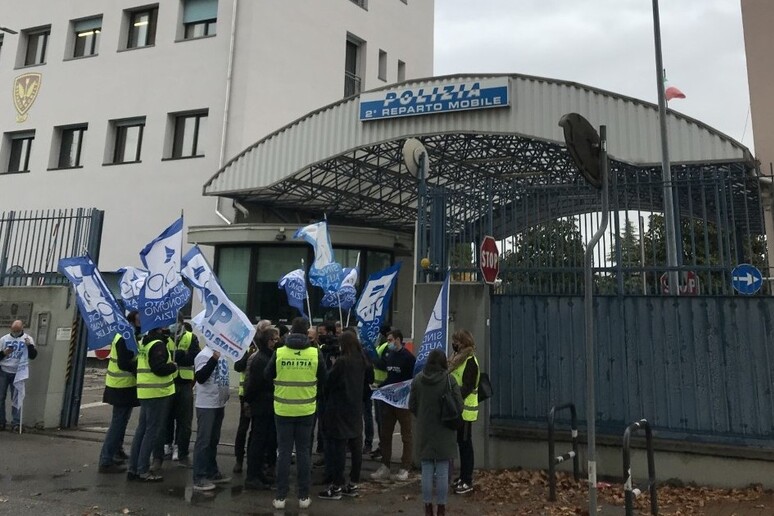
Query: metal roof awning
(331,161)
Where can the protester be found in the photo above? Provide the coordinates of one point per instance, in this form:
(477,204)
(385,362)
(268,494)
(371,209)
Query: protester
(463,367)
(342,419)
(435,441)
(296,370)
(259,395)
(17,348)
(155,388)
(399,363)
(178,428)
(380,374)
(211,397)
(240,366)
(121,393)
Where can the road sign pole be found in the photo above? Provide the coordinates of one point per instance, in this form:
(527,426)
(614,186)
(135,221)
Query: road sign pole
(588,261)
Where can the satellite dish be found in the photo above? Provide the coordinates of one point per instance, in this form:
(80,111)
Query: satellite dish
(412,151)
(583,143)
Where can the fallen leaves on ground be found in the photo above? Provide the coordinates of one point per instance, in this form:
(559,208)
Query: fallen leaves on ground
(504,491)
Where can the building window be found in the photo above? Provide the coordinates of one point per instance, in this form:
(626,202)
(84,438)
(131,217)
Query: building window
(128,140)
(187,136)
(199,18)
(352,80)
(383,65)
(360,3)
(70,147)
(142,28)
(401,71)
(20,148)
(37,43)
(87,37)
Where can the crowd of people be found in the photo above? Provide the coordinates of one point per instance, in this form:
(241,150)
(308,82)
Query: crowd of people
(296,384)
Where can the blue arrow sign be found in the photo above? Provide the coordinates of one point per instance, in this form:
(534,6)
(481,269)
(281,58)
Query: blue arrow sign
(746,279)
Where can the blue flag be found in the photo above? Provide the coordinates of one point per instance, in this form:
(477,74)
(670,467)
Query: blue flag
(224,326)
(344,296)
(373,305)
(131,282)
(97,305)
(395,394)
(436,334)
(294,283)
(324,272)
(164,293)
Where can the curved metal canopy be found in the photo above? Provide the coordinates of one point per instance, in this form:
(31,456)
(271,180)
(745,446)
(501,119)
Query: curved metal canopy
(329,161)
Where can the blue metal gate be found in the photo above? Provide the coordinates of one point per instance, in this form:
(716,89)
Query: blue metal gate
(698,368)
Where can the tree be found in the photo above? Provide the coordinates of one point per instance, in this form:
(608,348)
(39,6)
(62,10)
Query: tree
(546,258)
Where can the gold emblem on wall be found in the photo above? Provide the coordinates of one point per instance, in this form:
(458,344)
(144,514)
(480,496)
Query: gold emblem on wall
(25,91)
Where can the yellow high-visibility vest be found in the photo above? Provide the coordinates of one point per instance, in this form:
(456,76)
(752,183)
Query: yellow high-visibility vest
(380,375)
(470,403)
(149,385)
(116,377)
(295,386)
(185,372)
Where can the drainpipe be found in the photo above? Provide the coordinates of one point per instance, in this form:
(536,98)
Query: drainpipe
(229,72)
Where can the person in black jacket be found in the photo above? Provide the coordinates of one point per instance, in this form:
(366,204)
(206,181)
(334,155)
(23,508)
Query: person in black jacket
(123,400)
(259,397)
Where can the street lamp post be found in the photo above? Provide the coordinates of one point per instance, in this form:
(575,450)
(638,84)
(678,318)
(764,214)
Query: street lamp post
(669,206)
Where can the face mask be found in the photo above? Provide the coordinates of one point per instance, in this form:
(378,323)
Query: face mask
(173,329)
(392,346)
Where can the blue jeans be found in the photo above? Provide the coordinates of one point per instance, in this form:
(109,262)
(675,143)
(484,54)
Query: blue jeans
(208,424)
(6,381)
(435,472)
(115,434)
(290,431)
(149,428)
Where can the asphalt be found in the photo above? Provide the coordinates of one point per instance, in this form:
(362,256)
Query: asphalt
(55,472)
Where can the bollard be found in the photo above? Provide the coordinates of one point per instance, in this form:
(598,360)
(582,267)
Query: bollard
(630,493)
(553,460)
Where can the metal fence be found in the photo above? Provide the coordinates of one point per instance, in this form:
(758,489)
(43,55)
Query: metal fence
(32,242)
(543,222)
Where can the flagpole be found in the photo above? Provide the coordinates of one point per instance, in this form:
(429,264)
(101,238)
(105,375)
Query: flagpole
(308,304)
(357,268)
(448,290)
(338,300)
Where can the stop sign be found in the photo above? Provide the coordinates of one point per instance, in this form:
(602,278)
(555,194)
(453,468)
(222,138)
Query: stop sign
(490,259)
(102,353)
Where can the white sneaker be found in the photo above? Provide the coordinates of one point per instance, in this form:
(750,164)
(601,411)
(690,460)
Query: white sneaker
(304,503)
(401,476)
(383,473)
(278,503)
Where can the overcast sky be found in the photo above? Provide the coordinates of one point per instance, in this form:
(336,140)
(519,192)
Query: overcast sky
(607,44)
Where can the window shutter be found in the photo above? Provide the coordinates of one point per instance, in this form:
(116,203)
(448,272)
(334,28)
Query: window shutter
(200,10)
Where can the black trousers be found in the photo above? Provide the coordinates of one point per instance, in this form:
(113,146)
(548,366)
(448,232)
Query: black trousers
(465,444)
(262,444)
(241,436)
(336,449)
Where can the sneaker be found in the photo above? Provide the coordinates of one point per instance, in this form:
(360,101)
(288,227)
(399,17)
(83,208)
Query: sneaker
(149,477)
(351,490)
(332,493)
(456,482)
(401,476)
(256,484)
(175,455)
(278,503)
(203,485)
(463,488)
(367,449)
(376,454)
(112,468)
(156,465)
(167,451)
(304,503)
(220,479)
(121,454)
(131,476)
(184,462)
(383,473)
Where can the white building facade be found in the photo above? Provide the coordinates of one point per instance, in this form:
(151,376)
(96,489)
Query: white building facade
(131,107)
